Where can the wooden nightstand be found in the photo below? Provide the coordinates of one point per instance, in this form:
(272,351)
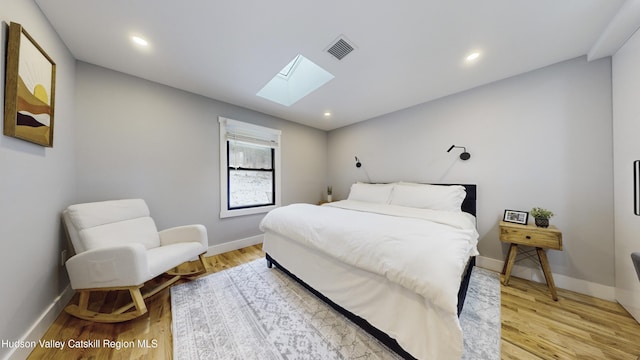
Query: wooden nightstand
(530,235)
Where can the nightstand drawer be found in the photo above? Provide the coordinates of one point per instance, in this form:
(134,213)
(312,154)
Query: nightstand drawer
(544,238)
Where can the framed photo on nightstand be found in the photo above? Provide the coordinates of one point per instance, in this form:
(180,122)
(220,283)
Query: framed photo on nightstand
(515,216)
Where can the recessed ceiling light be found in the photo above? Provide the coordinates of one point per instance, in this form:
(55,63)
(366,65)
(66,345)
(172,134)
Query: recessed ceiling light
(140,41)
(327,114)
(473,56)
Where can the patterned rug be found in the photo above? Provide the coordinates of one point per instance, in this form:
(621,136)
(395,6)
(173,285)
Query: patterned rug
(253,312)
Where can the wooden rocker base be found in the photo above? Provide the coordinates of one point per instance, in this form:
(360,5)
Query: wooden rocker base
(132,310)
(191,274)
(121,314)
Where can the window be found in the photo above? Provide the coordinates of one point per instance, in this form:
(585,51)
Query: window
(249,168)
(250,175)
(297,79)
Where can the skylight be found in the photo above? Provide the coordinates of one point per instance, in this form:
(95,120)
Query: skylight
(296,80)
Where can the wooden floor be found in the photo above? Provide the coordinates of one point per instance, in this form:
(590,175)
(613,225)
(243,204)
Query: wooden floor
(533,325)
(574,327)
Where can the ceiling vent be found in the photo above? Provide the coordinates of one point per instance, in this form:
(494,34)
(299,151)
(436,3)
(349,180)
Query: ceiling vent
(341,47)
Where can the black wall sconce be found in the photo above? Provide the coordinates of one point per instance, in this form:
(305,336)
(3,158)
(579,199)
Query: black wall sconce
(465,155)
(359,165)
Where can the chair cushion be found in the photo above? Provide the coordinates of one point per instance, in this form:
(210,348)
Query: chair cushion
(164,258)
(110,223)
(141,230)
(88,215)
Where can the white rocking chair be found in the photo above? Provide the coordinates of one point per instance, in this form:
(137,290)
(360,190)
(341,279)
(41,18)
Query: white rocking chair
(118,247)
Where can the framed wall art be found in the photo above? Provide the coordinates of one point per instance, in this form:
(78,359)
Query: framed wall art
(29,89)
(516,216)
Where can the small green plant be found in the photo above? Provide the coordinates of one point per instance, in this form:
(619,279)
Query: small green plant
(329,190)
(541,213)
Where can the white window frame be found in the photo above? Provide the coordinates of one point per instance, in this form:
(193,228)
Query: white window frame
(251,133)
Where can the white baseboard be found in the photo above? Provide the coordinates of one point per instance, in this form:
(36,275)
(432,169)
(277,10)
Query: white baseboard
(41,325)
(234,245)
(562,281)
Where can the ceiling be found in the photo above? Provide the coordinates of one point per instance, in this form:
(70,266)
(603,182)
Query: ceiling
(407,52)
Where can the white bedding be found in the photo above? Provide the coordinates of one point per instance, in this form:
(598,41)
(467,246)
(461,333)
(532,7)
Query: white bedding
(405,247)
(424,251)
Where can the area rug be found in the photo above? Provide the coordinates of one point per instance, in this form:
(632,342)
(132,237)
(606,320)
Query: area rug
(253,312)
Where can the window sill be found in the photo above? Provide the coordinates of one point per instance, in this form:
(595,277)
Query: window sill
(249,211)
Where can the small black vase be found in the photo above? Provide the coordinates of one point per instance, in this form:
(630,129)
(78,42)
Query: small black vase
(542,222)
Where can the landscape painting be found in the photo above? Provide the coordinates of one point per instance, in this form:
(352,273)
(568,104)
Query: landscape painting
(29,89)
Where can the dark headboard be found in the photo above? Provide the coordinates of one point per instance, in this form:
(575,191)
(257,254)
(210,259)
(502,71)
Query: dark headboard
(469,203)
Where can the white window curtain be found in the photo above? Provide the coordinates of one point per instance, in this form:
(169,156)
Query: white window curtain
(249,133)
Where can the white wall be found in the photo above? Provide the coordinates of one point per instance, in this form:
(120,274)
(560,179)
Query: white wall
(36,183)
(136,138)
(626,131)
(543,138)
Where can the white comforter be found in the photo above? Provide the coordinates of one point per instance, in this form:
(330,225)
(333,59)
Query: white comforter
(422,250)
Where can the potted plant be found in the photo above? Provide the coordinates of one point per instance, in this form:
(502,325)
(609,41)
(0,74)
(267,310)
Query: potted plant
(329,193)
(542,216)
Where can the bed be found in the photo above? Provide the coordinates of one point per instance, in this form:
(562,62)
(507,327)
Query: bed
(394,258)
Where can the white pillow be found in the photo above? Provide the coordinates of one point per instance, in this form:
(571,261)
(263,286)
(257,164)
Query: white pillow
(373,193)
(425,196)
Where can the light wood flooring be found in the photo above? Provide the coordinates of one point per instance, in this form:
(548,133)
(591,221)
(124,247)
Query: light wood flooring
(533,325)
